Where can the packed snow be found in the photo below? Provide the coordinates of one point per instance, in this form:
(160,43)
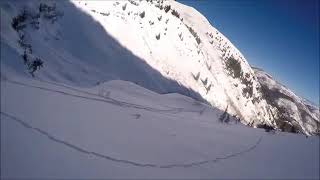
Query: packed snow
(51,130)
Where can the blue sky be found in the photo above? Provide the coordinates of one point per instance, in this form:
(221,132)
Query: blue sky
(279,36)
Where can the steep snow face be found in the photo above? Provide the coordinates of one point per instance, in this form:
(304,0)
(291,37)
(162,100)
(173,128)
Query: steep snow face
(181,44)
(164,46)
(295,113)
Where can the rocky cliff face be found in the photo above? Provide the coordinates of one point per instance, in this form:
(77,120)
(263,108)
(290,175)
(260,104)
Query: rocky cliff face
(295,114)
(164,46)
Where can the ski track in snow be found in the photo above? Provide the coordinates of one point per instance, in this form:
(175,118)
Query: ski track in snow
(105,100)
(123,161)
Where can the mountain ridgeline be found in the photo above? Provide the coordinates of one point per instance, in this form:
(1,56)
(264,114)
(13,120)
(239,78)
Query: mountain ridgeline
(163,46)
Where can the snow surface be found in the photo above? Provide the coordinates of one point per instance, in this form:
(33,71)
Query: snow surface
(51,130)
(99,41)
(110,100)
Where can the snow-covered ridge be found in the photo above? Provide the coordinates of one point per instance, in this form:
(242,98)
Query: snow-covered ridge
(163,46)
(296,114)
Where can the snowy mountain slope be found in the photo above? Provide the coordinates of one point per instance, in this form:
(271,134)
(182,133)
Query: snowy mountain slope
(163,46)
(109,100)
(81,54)
(53,130)
(203,68)
(296,113)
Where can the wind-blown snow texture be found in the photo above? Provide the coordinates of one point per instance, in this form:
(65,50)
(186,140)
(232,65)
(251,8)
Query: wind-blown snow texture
(93,108)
